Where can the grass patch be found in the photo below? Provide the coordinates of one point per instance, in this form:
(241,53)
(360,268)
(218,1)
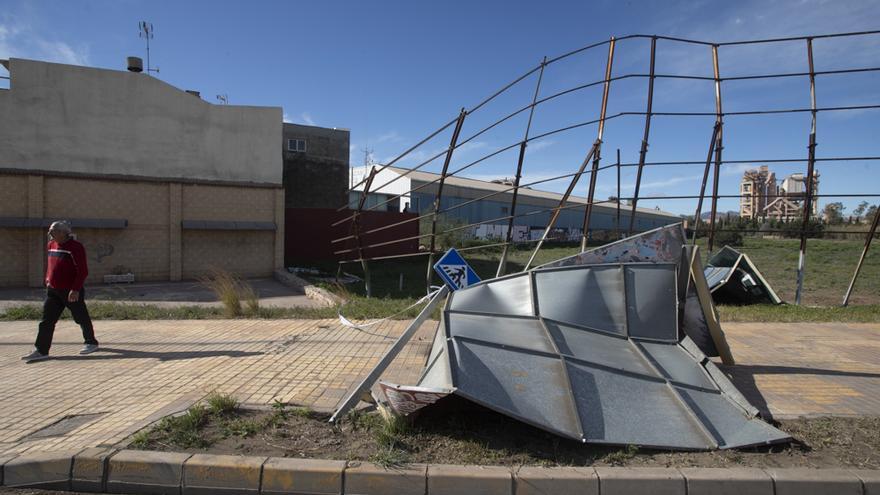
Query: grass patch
(390,458)
(187,430)
(182,430)
(468,434)
(116,311)
(222,404)
(786,313)
(620,457)
(242,427)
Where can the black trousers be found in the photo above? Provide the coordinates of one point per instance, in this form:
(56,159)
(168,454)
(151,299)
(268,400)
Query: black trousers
(56,301)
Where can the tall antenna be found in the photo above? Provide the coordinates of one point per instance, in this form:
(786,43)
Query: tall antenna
(145,31)
(368,157)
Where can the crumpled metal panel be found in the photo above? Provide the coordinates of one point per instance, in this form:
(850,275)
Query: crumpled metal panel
(504,296)
(716,275)
(620,408)
(661,245)
(599,361)
(562,297)
(727,423)
(677,365)
(651,301)
(612,353)
(734,279)
(438,372)
(532,387)
(525,333)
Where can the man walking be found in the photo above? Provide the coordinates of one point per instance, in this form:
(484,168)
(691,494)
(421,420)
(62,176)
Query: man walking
(66,271)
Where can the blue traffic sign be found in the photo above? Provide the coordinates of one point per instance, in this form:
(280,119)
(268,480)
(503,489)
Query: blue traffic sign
(455,271)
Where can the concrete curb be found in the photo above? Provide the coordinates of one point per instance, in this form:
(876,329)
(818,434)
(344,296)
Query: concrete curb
(318,294)
(99,470)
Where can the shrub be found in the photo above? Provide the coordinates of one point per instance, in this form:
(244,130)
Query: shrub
(230,289)
(221,403)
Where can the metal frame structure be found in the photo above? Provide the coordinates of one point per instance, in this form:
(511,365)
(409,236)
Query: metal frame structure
(714,158)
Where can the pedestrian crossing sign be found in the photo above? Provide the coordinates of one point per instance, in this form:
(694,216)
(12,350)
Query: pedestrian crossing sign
(455,271)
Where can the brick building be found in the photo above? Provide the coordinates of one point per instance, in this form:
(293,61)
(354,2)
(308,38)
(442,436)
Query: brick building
(156,181)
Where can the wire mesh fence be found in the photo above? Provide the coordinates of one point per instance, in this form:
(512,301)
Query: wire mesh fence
(743,103)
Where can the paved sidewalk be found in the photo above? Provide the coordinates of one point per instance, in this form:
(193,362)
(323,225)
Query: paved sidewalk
(148,369)
(807,369)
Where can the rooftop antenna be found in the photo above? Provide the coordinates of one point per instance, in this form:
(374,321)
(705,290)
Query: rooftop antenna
(224,98)
(368,157)
(145,31)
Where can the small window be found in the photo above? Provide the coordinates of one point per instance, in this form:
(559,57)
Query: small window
(297,145)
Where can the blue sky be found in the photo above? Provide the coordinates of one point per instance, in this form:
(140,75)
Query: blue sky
(393,72)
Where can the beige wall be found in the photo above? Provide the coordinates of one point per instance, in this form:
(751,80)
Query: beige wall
(250,254)
(65,118)
(153,246)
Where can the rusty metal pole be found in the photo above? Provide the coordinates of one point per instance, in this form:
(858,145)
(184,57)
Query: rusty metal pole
(699,211)
(598,146)
(644,151)
(452,144)
(558,210)
(502,264)
(868,239)
(811,162)
(357,232)
(617,221)
(718,148)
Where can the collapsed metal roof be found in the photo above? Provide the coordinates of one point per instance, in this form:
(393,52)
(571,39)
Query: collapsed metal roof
(734,279)
(592,348)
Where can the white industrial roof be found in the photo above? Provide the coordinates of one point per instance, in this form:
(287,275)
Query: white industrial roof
(418,175)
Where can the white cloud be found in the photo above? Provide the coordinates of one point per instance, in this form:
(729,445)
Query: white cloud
(539,145)
(392,137)
(287,118)
(661,185)
(306,118)
(59,51)
(18,40)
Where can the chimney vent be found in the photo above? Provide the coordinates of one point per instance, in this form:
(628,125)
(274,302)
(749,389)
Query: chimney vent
(194,93)
(135,64)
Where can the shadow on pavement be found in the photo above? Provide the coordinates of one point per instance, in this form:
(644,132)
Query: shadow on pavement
(743,376)
(101,354)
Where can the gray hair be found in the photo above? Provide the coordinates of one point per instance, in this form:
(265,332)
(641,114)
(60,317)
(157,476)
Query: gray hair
(62,226)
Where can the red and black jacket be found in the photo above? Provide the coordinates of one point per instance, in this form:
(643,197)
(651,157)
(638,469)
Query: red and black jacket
(67,267)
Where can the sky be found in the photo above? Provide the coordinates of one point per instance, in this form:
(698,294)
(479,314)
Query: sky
(394,72)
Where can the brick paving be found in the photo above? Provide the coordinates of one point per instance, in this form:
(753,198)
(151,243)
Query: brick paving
(807,369)
(148,369)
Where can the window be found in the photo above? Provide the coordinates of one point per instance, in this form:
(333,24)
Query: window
(297,145)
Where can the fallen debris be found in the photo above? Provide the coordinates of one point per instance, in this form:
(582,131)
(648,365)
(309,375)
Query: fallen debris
(734,279)
(595,348)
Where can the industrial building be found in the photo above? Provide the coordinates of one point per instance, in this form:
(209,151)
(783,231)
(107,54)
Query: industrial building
(418,189)
(157,182)
(762,197)
(315,166)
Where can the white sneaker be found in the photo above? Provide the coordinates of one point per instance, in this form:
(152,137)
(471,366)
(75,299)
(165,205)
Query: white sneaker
(34,356)
(88,349)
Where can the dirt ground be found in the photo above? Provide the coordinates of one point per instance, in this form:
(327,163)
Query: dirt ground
(474,435)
